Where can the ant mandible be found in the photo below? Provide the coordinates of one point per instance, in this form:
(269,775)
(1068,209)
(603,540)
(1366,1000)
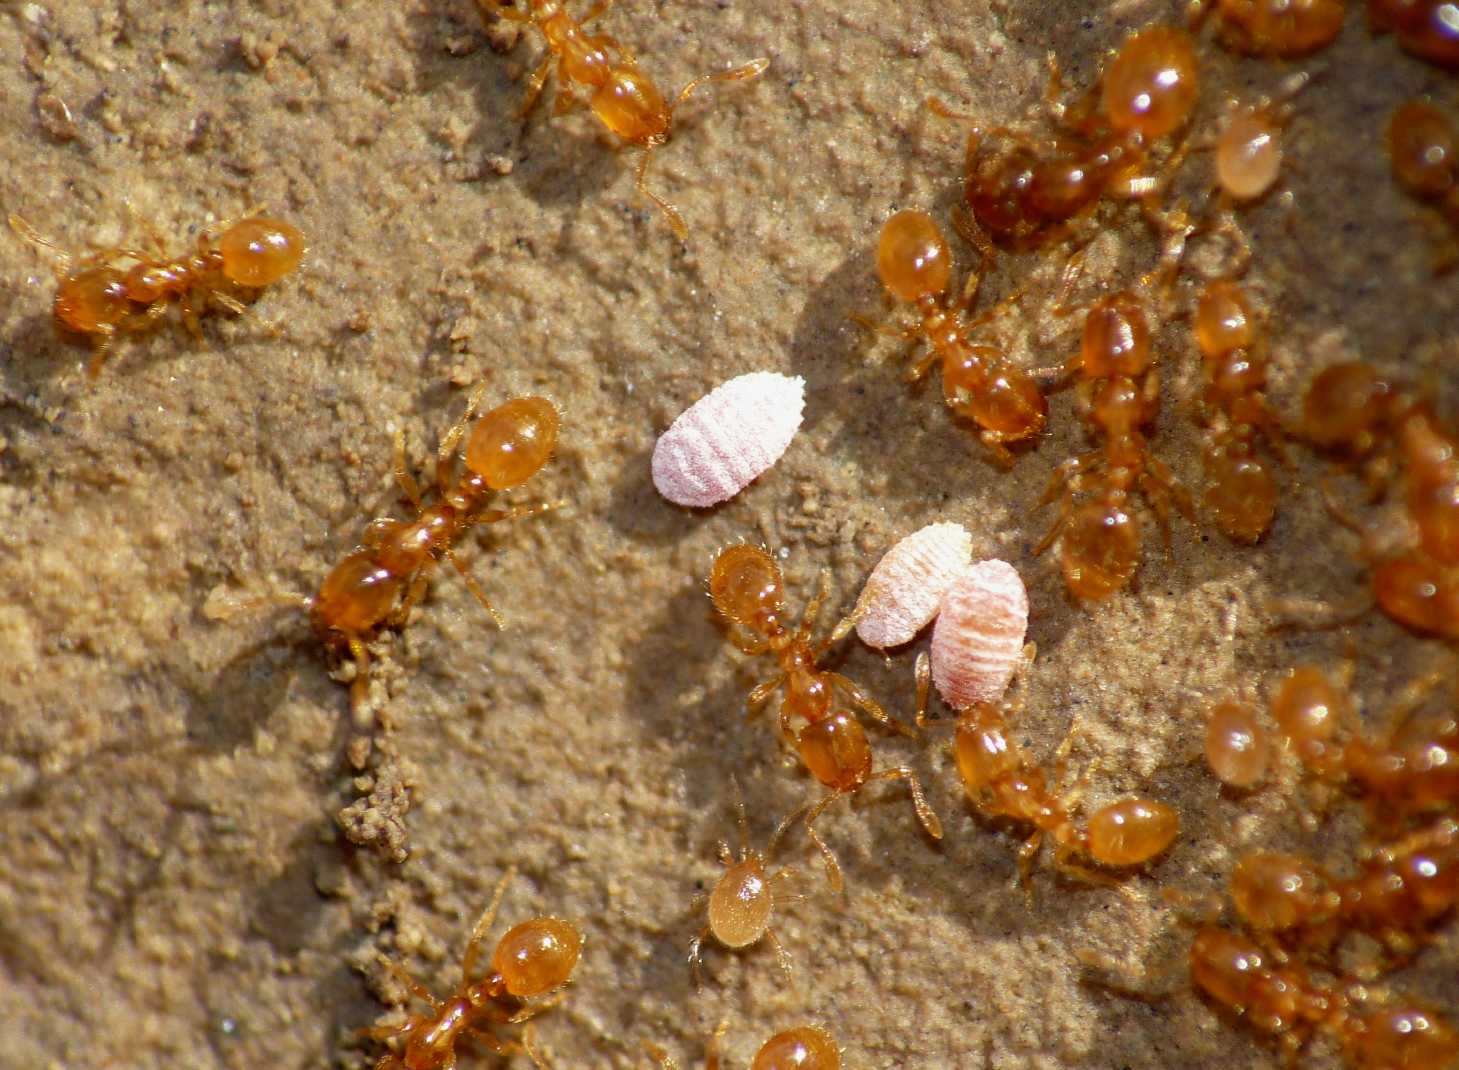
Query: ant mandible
(749,592)
(383,577)
(623,98)
(97,298)
(532,959)
(805,1047)
(979,383)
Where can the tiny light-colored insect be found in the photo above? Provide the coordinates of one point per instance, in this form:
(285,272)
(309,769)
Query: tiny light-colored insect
(908,584)
(727,438)
(977,642)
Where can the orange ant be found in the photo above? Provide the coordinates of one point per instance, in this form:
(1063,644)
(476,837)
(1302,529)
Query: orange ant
(1400,887)
(1415,770)
(1241,493)
(1026,195)
(744,898)
(97,298)
(1278,997)
(1237,747)
(1421,150)
(1426,28)
(1119,391)
(1283,28)
(749,592)
(1002,782)
(979,383)
(1352,408)
(805,1047)
(623,98)
(532,959)
(383,577)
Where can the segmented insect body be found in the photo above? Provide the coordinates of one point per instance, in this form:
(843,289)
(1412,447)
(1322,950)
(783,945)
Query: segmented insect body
(1279,997)
(979,383)
(1001,781)
(384,576)
(1427,28)
(1400,889)
(1025,193)
(1415,771)
(1241,493)
(123,290)
(749,592)
(1119,391)
(1284,28)
(532,959)
(621,97)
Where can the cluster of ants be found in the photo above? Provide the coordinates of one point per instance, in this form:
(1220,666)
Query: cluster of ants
(1122,143)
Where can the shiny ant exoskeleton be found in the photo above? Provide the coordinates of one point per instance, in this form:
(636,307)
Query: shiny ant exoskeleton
(1241,492)
(1400,888)
(740,908)
(1422,144)
(382,578)
(1003,783)
(805,1047)
(979,383)
(1282,28)
(1119,392)
(623,98)
(532,959)
(1237,747)
(1026,194)
(749,593)
(123,290)
(1411,771)
(1426,28)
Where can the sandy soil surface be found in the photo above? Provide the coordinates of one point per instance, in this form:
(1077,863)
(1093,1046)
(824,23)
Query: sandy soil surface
(177,890)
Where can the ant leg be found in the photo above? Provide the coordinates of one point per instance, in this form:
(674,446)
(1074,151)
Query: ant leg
(1160,503)
(748,643)
(1026,855)
(675,220)
(597,10)
(762,691)
(975,236)
(475,588)
(711,1049)
(906,334)
(535,1009)
(1066,507)
(868,705)
(1147,985)
(993,442)
(833,868)
(232,304)
(811,616)
(656,1052)
(30,235)
(484,924)
(922,673)
(420,991)
(782,957)
(696,958)
(742,820)
(100,350)
(535,84)
(753,69)
(408,485)
(1160,472)
(925,813)
(453,435)
(360,686)
(501,11)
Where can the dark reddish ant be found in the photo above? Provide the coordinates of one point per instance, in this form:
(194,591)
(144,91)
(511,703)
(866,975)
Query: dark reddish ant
(1401,887)
(1427,28)
(622,97)
(1241,493)
(1421,150)
(386,574)
(100,299)
(979,383)
(749,592)
(532,959)
(1119,393)
(1283,28)
(1026,194)
(805,1047)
